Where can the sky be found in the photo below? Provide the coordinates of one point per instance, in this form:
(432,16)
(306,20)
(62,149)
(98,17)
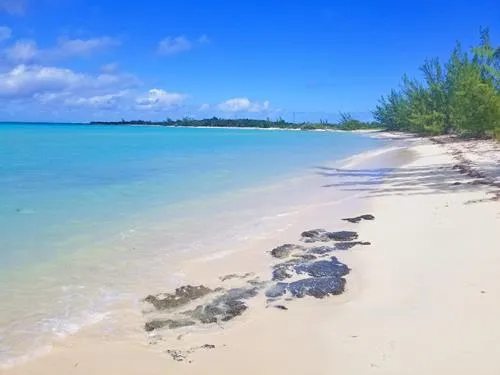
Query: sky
(84,60)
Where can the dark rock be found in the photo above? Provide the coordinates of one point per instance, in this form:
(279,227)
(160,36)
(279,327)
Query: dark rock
(236,276)
(177,355)
(168,323)
(318,287)
(224,307)
(321,235)
(256,282)
(182,296)
(305,256)
(357,219)
(323,268)
(286,250)
(342,236)
(321,250)
(281,307)
(284,270)
(314,235)
(277,290)
(281,273)
(182,355)
(349,245)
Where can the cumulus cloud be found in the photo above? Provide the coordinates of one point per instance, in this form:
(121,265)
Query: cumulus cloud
(204,107)
(24,51)
(32,81)
(26,81)
(84,47)
(5,33)
(107,101)
(171,45)
(158,99)
(243,105)
(109,68)
(60,90)
(13,6)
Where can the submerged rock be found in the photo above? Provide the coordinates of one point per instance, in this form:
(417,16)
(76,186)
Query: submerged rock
(286,250)
(357,219)
(182,296)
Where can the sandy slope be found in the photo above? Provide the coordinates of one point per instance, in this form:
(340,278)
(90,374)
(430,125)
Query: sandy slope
(424,298)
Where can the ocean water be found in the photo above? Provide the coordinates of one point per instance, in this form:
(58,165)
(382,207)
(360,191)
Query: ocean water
(92,215)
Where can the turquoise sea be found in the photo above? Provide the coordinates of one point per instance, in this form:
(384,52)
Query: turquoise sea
(90,214)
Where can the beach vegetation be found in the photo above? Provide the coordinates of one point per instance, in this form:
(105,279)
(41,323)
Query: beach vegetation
(460,96)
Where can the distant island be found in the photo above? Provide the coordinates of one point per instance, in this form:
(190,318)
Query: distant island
(346,122)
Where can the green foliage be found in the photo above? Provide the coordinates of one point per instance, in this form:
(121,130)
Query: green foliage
(210,122)
(461,96)
(347,123)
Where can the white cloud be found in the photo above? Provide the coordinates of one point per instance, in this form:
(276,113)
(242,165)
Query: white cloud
(173,45)
(109,68)
(25,80)
(244,105)
(13,6)
(35,81)
(158,99)
(27,50)
(22,51)
(107,101)
(84,47)
(204,107)
(5,33)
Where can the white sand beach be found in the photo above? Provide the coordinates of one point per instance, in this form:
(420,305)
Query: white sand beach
(423,298)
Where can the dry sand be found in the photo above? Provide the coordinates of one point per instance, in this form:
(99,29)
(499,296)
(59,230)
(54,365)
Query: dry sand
(424,298)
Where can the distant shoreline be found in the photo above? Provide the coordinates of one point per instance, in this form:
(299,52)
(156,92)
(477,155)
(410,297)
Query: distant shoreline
(346,124)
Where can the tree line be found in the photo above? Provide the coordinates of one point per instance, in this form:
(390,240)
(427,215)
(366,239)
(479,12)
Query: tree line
(346,122)
(460,96)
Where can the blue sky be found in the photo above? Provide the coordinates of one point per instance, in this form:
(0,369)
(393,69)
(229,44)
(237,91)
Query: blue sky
(81,60)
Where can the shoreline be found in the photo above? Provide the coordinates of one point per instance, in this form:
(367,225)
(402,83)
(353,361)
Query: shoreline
(376,271)
(310,179)
(287,207)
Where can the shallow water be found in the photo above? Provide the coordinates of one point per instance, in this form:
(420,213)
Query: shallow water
(92,215)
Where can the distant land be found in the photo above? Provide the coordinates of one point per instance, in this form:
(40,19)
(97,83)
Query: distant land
(346,123)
